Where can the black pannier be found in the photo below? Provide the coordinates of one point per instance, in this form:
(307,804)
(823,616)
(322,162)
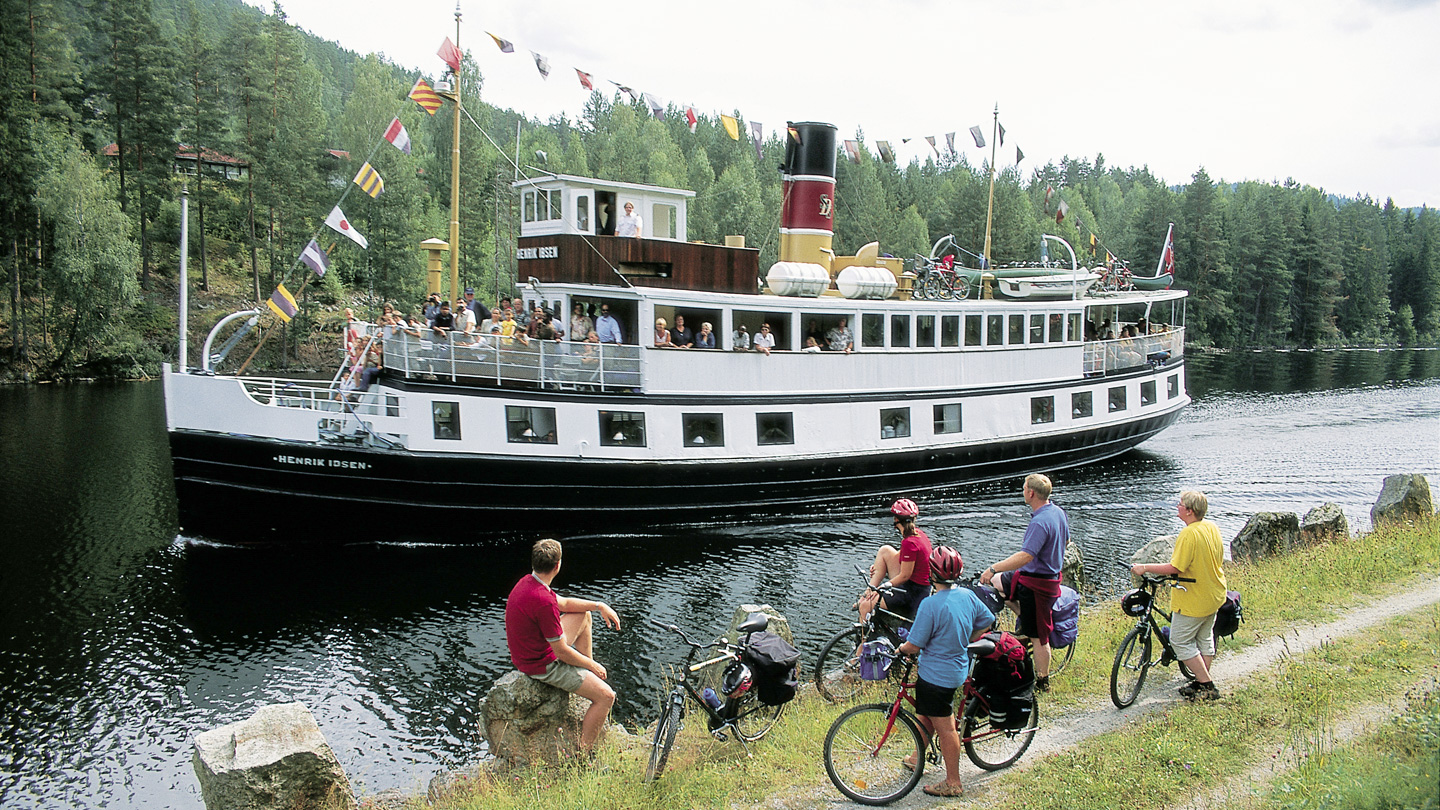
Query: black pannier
(775,666)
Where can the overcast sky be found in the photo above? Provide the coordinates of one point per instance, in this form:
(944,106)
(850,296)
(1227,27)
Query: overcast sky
(1339,94)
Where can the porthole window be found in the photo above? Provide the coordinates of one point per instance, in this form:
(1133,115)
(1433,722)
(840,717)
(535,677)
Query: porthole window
(1147,393)
(703,429)
(894,423)
(622,429)
(1172,386)
(1082,405)
(1042,410)
(947,418)
(446,419)
(529,425)
(774,428)
(1117,399)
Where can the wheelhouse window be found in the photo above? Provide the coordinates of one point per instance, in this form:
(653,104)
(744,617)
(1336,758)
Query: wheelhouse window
(1042,410)
(1075,334)
(1172,386)
(900,331)
(1017,331)
(1082,405)
(1057,327)
(622,429)
(995,330)
(774,428)
(1117,398)
(526,425)
(1037,329)
(582,215)
(894,423)
(1147,393)
(972,330)
(949,331)
(703,429)
(662,221)
(924,331)
(872,330)
(947,418)
(446,419)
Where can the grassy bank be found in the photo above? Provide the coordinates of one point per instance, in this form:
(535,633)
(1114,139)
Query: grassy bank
(1307,586)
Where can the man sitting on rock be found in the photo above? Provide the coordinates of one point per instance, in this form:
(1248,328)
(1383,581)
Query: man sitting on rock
(549,639)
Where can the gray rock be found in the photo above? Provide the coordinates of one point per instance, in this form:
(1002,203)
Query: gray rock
(276,759)
(779,625)
(1323,523)
(1404,497)
(526,721)
(1159,550)
(1265,535)
(1072,569)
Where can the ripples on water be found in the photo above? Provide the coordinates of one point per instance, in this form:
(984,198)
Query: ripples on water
(121,641)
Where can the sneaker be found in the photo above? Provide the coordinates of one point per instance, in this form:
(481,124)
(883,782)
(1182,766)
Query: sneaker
(1189,689)
(1208,691)
(1042,684)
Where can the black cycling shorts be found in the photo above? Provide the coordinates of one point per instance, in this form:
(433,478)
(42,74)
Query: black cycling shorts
(905,599)
(932,700)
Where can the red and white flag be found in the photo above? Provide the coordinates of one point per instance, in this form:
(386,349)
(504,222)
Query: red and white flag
(396,134)
(691,118)
(586,80)
(450,54)
(343,227)
(1167,255)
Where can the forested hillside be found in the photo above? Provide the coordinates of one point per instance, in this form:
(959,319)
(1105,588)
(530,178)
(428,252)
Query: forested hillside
(90,239)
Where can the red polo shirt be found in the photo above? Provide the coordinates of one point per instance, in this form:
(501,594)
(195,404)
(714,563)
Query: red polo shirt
(532,621)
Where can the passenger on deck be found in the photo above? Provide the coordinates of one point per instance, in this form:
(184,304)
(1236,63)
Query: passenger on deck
(607,327)
(475,305)
(681,337)
(464,322)
(705,339)
(812,330)
(497,316)
(662,334)
(630,223)
(764,341)
(812,346)
(443,321)
(1090,333)
(432,306)
(580,323)
(740,338)
(840,339)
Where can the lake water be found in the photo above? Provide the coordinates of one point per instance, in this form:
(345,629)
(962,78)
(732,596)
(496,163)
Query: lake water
(119,641)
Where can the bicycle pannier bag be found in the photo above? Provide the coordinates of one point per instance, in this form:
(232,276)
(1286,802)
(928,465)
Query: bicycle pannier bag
(875,658)
(774,663)
(1230,615)
(1065,618)
(1017,714)
(1005,668)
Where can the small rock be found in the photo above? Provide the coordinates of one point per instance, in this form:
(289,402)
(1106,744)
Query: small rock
(454,784)
(524,720)
(1159,550)
(1323,523)
(1403,497)
(779,625)
(1072,569)
(275,759)
(1266,534)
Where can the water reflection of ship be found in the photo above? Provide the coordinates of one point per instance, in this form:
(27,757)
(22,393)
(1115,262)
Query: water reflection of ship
(480,436)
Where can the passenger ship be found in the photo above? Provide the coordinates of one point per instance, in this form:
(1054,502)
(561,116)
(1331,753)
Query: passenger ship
(469,437)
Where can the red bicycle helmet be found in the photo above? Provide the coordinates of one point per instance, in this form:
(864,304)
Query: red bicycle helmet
(946,565)
(905,508)
(736,680)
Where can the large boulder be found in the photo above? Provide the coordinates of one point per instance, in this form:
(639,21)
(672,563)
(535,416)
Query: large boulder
(1072,569)
(1159,550)
(277,759)
(1324,523)
(1403,497)
(1266,534)
(526,721)
(779,625)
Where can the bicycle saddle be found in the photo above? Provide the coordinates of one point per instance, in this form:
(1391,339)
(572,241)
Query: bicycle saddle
(982,648)
(753,623)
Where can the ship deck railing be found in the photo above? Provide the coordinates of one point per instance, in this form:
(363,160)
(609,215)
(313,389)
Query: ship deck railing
(1103,357)
(511,363)
(321,397)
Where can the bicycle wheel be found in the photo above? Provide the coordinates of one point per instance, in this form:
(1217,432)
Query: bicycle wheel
(665,732)
(865,762)
(1132,664)
(837,670)
(754,719)
(962,287)
(933,287)
(995,748)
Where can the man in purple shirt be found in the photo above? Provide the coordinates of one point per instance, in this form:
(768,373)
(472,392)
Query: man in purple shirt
(1036,582)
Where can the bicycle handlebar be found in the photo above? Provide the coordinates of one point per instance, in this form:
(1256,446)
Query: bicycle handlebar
(681,633)
(1156,578)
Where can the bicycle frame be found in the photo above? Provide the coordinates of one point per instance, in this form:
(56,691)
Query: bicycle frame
(968,693)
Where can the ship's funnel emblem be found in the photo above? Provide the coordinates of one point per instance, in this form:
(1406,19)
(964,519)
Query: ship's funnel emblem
(825,204)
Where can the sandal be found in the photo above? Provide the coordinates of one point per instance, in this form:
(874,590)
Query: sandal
(907,764)
(944,791)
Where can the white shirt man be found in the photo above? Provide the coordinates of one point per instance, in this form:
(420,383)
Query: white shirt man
(630,223)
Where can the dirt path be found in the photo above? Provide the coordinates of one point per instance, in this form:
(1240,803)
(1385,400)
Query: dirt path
(1077,724)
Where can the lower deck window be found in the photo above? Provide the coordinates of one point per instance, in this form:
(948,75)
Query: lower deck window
(1172,386)
(1117,399)
(1042,410)
(529,425)
(774,428)
(703,429)
(947,418)
(622,429)
(1082,404)
(446,418)
(872,330)
(894,423)
(1147,393)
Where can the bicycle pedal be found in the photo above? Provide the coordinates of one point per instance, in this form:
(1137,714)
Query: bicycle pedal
(721,736)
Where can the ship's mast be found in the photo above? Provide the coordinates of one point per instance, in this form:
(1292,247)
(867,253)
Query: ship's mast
(990,207)
(455,177)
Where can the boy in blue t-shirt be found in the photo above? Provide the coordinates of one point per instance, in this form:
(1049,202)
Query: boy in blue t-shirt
(945,624)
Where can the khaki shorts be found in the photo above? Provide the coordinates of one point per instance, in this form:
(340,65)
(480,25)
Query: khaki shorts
(1191,636)
(562,676)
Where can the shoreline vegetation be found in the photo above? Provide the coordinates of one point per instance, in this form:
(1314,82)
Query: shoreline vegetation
(1171,755)
(114,106)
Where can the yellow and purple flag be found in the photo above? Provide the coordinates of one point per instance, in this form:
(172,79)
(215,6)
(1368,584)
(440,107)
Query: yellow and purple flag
(505,45)
(369,180)
(282,303)
(425,96)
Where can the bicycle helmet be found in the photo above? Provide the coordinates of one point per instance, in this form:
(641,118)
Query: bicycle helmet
(905,508)
(1135,603)
(736,680)
(945,565)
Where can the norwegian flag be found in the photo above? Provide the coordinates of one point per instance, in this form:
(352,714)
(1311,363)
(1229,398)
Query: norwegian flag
(1167,255)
